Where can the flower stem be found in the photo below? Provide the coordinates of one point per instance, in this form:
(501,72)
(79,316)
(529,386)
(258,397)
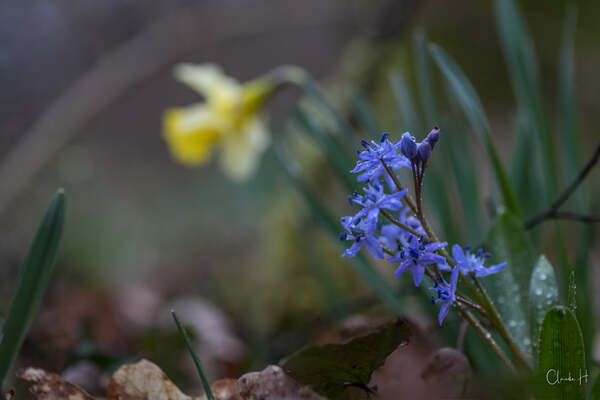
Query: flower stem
(486,336)
(496,320)
(400,224)
(399,187)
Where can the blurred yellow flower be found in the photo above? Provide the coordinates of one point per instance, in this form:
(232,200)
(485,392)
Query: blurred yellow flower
(228,118)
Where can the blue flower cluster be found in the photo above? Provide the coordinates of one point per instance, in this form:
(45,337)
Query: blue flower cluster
(389,229)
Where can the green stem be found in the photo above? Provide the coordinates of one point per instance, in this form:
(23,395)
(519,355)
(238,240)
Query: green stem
(398,223)
(486,336)
(406,198)
(496,320)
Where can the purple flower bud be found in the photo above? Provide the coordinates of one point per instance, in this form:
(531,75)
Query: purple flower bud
(408,146)
(433,137)
(423,151)
(384,136)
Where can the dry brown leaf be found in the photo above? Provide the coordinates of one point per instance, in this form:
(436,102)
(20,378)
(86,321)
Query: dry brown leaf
(146,381)
(143,381)
(449,369)
(269,384)
(49,386)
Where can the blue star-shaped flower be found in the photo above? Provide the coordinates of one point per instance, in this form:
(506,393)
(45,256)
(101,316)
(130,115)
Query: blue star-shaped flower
(468,262)
(395,237)
(446,294)
(373,201)
(370,165)
(416,255)
(356,231)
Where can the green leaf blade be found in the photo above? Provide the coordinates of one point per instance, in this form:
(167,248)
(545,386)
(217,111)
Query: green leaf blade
(190,347)
(508,242)
(523,70)
(543,295)
(33,282)
(404,103)
(561,354)
(365,115)
(471,105)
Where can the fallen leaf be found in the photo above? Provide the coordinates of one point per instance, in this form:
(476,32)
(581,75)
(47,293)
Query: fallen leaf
(273,383)
(269,384)
(143,381)
(337,370)
(449,370)
(49,386)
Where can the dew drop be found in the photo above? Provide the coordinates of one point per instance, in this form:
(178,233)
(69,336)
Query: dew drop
(538,291)
(543,277)
(526,342)
(512,323)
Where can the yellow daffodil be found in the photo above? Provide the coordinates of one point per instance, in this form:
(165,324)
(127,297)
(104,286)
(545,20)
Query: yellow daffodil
(228,119)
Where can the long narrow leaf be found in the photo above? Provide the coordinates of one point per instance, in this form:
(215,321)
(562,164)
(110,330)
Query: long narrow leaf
(523,70)
(33,282)
(405,105)
(471,105)
(459,150)
(365,115)
(424,79)
(567,100)
(190,347)
(335,156)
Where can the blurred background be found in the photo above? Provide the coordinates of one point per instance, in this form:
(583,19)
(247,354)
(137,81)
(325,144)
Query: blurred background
(84,87)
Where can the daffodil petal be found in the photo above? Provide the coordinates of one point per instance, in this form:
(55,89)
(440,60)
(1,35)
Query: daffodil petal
(243,149)
(191,133)
(208,80)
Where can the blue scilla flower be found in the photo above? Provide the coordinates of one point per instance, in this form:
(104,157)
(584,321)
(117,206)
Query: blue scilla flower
(446,294)
(356,230)
(408,146)
(416,255)
(369,160)
(395,237)
(473,263)
(373,201)
(433,136)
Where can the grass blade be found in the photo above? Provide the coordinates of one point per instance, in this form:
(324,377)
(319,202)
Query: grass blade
(509,242)
(331,225)
(523,70)
(314,92)
(423,70)
(188,343)
(33,282)
(471,105)
(339,161)
(365,115)
(567,99)
(404,103)
(464,169)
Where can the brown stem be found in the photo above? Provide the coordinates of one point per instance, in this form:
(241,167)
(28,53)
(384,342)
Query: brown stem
(553,213)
